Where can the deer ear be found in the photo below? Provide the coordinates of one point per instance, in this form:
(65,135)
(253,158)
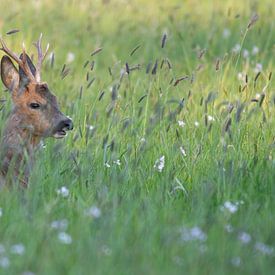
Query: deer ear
(23,78)
(9,73)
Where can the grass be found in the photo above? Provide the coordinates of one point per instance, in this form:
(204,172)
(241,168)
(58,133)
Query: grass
(131,218)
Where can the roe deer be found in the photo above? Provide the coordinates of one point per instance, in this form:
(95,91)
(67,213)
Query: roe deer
(35,114)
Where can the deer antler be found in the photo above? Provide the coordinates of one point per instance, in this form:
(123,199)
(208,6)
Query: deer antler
(40,57)
(22,63)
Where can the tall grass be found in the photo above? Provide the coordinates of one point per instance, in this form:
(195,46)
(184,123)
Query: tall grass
(209,209)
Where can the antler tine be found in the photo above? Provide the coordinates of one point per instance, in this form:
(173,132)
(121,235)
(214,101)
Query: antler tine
(40,58)
(22,63)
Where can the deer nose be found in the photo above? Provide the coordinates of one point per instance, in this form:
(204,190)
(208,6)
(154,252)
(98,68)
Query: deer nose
(68,124)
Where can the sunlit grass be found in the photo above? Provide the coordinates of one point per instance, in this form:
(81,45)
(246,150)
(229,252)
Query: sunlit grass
(159,176)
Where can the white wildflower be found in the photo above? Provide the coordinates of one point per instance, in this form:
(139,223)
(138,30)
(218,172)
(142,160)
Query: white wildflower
(142,139)
(106,250)
(63,191)
(236,261)
(70,57)
(210,118)
(255,50)
(4,262)
(90,127)
(264,249)
(117,162)
(159,164)
(230,207)
(245,53)
(59,224)
(244,237)
(229,228)
(258,68)
(236,48)
(241,76)
(181,123)
(183,151)
(196,123)
(18,249)
(106,164)
(226,33)
(94,212)
(193,234)
(64,238)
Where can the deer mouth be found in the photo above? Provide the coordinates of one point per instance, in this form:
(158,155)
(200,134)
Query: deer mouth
(60,134)
(62,128)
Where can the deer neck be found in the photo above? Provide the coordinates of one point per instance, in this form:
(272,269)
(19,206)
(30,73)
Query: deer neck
(19,136)
(17,141)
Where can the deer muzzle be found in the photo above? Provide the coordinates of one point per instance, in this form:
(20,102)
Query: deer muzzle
(62,128)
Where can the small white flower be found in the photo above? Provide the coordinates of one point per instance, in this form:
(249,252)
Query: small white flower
(210,118)
(196,123)
(229,228)
(117,162)
(59,224)
(159,164)
(244,237)
(193,234)
(18,249)
(90,127)
(230,207)
(226,33)
(4,262)
(236,48)
(106,164)
(241,76)
(236,261)
(142,139)
(245,53)
(181,123)
(264,249)
(63,191)
(255,50)
(106,250)
(64,238)
(183,151)
(258,68)
(94,212)
(70,57)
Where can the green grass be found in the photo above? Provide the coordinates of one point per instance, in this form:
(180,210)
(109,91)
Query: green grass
(145,215)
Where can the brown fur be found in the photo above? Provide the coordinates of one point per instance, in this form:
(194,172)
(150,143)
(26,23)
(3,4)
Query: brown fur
(26,125)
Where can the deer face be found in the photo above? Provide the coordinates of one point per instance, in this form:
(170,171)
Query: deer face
(34,104)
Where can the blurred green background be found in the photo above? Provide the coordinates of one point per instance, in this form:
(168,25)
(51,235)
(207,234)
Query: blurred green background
(105,200)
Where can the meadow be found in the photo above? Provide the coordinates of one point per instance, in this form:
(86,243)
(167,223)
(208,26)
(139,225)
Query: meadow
(170,168)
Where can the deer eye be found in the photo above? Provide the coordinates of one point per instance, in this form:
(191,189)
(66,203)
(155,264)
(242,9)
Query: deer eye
(34,105)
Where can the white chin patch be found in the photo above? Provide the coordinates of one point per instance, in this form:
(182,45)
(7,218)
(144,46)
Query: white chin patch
(60,134)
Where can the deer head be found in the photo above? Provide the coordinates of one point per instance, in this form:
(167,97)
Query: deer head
(34,104)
